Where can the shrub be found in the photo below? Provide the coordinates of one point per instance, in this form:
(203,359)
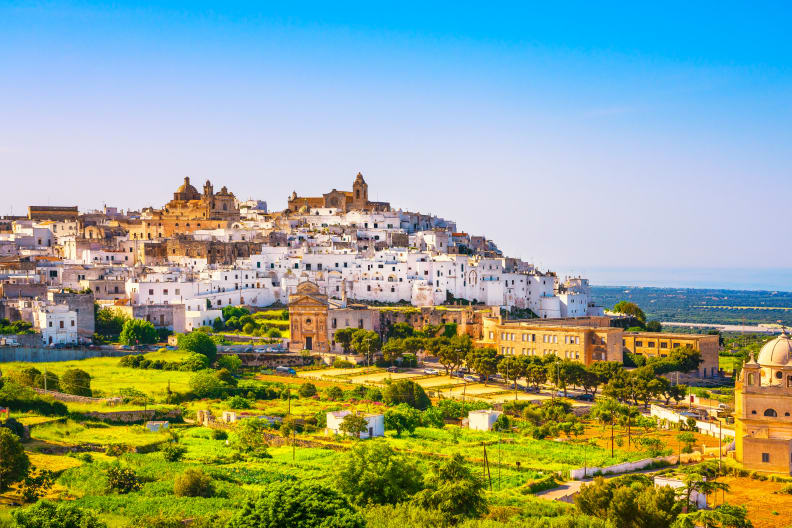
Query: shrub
(49,515)
(122,479)
(307,390)
(77,382)
(297,505)
(274,333)
(342,363)
(238,402)
(193,483)
(116,450)
(219,434)
(194,362)
(173,452)
(334,393)
(14,463)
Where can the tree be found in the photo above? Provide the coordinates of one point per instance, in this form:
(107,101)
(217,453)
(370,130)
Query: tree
(205,384)
(535,373)
(401,331)
(14,463)
(402,418)
(630,308)
(122,479)
(654,326)
(138,332)
(193,483)
(366,343)
(606,411)
(200,343)
(392,350)
(453,352)
(699,479)
(483,361)
(109,322)
(630,502)
(452,489)
(251,435)
(564,373)
(194,362)
(627,415)
(46,514)
(353,424)
(686,358)
(307,390)
(373,473)
(230,362)
(512,368)
(405,391)
(723,516)
(218,325)
(51,383)
(589,380)
(297,504)
(343,336)
(76,381)
(334,393)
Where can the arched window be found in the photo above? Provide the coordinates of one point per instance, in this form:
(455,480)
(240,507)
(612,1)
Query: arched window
(751,378)
(779,375)
(771,413)
(789,381)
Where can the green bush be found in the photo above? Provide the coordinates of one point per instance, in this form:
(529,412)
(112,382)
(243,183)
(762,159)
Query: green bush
(49,515)
(193,483)
(406,391)
(173,452)
(219,434)
(307,390)
(238,402)
(122,479)
(342,363)
(77,382)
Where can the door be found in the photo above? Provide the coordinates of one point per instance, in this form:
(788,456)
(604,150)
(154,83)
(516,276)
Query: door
(308,343)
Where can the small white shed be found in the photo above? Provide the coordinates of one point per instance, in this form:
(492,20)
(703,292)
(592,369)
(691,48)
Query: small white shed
(482,420)
(157,426)
(699,499)
(229,417)
(375,422)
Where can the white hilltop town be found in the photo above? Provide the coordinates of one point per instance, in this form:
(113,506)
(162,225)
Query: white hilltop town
(179,265)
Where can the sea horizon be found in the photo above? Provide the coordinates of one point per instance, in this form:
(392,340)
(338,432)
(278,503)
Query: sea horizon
(744,279)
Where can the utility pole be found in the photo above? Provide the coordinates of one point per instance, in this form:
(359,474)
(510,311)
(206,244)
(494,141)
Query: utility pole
(720,446)
(486,462)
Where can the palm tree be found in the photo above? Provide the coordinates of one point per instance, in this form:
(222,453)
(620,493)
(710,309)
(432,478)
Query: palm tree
(627,416)
(606,411)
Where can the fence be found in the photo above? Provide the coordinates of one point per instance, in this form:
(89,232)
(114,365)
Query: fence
(43,354)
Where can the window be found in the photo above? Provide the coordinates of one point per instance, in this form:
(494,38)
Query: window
(771,413)
(779,375)
(765,457)
(663,345)
(165,292)
(72,322)
(61,324)
(639,343)
(151,292)
(651,344)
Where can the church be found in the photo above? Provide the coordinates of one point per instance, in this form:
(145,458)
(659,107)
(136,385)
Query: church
(188,211)
(763,409)
(343,201)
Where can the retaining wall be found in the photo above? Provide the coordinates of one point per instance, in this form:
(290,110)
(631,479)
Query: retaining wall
(42,354)
(626,467)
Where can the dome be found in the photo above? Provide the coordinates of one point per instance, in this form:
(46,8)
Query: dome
(186,188)
(776,352)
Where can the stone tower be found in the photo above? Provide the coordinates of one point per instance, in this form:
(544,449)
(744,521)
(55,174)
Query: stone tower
(359,193)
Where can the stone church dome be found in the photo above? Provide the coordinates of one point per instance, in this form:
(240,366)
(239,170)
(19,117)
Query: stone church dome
(776,352)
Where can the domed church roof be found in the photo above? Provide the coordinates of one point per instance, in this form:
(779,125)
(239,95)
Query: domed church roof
(776,352)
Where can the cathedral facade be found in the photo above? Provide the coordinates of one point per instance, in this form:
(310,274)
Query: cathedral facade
(344,201)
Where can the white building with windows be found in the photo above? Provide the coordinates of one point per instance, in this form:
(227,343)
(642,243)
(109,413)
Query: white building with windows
(58,324)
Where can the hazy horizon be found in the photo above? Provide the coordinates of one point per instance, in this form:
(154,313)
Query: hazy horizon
(578,138)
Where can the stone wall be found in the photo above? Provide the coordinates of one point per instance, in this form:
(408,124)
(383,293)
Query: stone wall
(134,416)
(272,360)
(42,354)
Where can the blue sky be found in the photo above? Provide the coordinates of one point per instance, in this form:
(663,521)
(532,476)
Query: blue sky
(578,137)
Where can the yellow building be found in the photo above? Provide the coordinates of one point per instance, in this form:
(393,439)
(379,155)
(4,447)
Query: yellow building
(308,309)
(763,409)
(188,211)
(585,344)
(651,344)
